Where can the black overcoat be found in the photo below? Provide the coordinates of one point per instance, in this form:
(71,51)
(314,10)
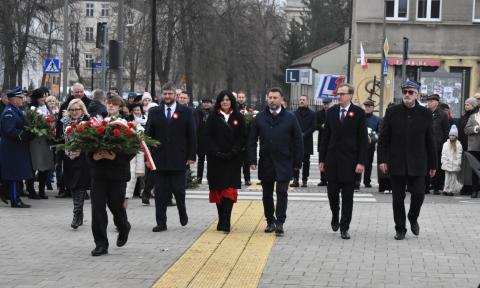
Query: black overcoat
(178,140)
(320,117)
(201,115)
(281,145)
(344,145)
(228,138)
(307,120)
(406,141)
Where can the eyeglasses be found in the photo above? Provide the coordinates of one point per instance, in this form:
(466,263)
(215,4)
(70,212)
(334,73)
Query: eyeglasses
(408,92)
(342,94)
(74,110)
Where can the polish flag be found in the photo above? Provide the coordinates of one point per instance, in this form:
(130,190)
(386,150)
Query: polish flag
(363,58)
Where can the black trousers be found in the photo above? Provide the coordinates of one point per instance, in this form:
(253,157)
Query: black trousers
(368,167)
(305,168)
(246,171)
(166,183)
(200,165)
(112,194)
(269,205)
(334,189)
(416,187)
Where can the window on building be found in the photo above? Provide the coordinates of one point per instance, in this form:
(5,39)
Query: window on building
(88,60)
(429,9)
(397,9)
(105,10)
(476,11)
(89,9)
(89,34)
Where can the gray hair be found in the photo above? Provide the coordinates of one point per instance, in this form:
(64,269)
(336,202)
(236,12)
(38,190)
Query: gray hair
(99,95)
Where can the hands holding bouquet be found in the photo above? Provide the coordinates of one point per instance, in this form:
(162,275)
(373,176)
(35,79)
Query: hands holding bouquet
(38,124)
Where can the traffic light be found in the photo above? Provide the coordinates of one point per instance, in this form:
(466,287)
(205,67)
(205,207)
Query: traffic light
(113,54)
(101,29)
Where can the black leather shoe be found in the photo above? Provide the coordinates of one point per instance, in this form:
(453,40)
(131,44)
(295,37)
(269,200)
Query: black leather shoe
(33,196)
(400,235)
(248,183)
(145,201)
(368,185)
(322,184)
(184,219)
(415,228)
(160,228)
(335,225)
(295,183)
(123,236)
(63,195)
(345,235)
(49,187)
(270,228)
(436,192)
(98,251)
(19,205)
(171,203)
(279,229)
(304,184)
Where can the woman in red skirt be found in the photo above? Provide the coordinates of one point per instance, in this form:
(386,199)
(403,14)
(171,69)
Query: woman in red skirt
(226,138)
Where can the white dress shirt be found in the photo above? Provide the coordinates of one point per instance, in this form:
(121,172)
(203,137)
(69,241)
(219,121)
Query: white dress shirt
(346,111)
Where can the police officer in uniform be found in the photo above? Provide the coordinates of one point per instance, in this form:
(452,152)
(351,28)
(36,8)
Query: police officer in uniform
(14,148)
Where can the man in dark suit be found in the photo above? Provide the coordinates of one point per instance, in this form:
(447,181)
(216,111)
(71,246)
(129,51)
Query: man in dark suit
(281,149)
(406,150)
(242,105)
(343,154)
(201,115)
(306,119)
(321,116)
(173,125)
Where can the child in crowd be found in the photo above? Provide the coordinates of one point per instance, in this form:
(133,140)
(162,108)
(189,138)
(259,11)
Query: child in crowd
(452,162)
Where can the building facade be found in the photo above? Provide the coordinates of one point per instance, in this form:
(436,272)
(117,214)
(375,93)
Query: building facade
(442,44)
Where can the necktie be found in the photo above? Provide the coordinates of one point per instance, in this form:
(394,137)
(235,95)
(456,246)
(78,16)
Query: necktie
(342,116)
(169,113)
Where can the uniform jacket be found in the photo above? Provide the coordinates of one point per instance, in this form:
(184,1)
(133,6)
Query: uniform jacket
(307,120)
(406,141)
(178,140)
(15,158)
(281,145)
(441,127)
(451,160)
(228,138)
(344,145)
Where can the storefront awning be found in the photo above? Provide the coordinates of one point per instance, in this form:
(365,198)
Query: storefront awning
(414,62)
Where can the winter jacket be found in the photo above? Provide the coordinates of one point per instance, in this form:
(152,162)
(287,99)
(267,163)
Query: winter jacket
(473,132)
(452,160)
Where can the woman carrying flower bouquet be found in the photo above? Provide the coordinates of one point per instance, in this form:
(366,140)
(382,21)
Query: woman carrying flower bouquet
(110,174)
(42,155)
(225,139)
(76,175)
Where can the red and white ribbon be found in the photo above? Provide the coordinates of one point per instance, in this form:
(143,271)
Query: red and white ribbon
(148,155)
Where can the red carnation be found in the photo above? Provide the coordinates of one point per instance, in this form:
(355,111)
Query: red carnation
(128,131)
(104,123)
(250,110)
(69,130)
(117,132)
(74,125)
(80,128)
(131,124)
(100,130)
(50,120)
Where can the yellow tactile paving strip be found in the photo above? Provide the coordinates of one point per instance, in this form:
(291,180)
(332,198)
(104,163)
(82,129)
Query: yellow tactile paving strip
(225,260)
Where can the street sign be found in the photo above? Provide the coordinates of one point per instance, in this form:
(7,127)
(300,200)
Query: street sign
(96,66)
(386,47)
(301,76)
(385,67)
(326,85)
(51,66)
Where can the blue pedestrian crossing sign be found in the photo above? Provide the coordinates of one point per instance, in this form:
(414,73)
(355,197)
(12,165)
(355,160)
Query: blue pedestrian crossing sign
(52,66)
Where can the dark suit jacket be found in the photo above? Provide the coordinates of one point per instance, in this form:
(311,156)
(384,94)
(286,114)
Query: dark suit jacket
(441,127)
(306,119)
(406,141)
(344,145)
(320,117)
(178,141)
(281,145)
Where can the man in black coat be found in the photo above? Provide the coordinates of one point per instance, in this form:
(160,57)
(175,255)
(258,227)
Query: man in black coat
(173,125)
(343,154)
(281,150)
(201,115)
(321,117)
(242,105)
(406,150)
(441,128)
(78,92)
(97,107)
(306,119)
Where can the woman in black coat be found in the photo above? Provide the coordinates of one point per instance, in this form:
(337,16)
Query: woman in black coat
(75,168)
(225,138)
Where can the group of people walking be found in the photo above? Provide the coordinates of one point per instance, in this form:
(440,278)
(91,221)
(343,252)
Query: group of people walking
(407,153)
